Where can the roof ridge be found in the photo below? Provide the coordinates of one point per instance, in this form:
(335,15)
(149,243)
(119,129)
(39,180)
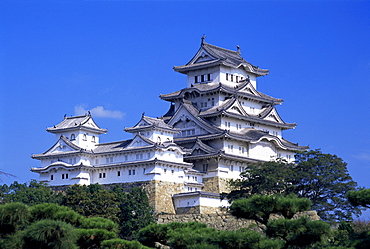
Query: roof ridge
(217,47)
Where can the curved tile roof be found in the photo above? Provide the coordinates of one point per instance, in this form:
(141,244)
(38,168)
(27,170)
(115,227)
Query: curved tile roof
(220,56)
(208,88)
(77,123)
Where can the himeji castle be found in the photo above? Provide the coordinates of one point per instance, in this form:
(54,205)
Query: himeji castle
(214,128)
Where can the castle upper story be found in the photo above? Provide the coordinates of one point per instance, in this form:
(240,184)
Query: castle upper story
(212,64)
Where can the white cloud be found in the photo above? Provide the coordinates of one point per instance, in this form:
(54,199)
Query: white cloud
(99,111)
(365,156)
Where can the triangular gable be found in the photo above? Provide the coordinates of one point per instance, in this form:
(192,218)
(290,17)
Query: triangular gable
(273,116)
(249,89)
(200,148)
(201,56)
(237,108)
(185,117)
(139,141)
(90,123)
(61,146)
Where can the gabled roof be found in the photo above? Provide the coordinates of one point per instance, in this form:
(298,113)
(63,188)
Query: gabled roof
(148,123)
(244,89)
(225,109)
(57,149)
(187,107)
(84,122)
(249,135)
(210,55)
(199,145)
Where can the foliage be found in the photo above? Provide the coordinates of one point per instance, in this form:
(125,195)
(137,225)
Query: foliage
(92,238)
(49,234)
(194,235)
(262,178)
(30,194)
(135,211)
(359,198)
(12,217)
(91,201)
(298,233)
(122,244)
(99,223)
(259,207)
(322,178)
(160,232)
(245,239)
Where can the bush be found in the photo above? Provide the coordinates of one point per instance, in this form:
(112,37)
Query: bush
(122,244)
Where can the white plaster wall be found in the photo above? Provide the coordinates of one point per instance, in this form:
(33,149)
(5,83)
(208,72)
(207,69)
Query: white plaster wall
(262,151)
(189,201)
(214,71)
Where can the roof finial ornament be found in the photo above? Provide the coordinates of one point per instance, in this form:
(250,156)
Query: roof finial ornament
(238,48)
(88,112)
(143,114)
(65,115)
(203,37)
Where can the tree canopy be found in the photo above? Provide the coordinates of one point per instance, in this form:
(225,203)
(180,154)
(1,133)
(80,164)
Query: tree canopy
(322,178)
(359,198)
(30,193)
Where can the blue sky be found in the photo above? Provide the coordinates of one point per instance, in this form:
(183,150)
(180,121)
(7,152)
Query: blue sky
(116,57)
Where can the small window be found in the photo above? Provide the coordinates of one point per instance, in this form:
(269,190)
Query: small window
(129,172)
(84,137)
(93,139)
(52,177)
(172,171)
(103,175)
(165,171)
(227,76)
(195,79)
(202,78)
(209,77)
(231,167)
(73,137)
(62,176)
(133,172)
(66,176)
(118,173)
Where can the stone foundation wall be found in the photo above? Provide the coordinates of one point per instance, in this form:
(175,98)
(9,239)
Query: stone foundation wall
(225,221)
(159,193)
(215,185)
(219,221)
(199,210)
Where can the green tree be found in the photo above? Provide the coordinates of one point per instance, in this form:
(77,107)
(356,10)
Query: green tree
(260,207)
(55,212)
(262,178)
(92,200)
(122,244)
(31,194)
(322,178)
(45,234)
(13,216)
(135,211)
(298,233)
(359,198)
